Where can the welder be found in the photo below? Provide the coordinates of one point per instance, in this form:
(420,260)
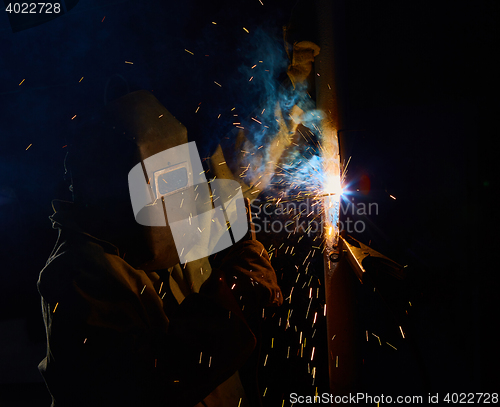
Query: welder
(130,320)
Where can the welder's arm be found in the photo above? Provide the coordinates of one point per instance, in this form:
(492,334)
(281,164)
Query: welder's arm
(247,270)
(110,342)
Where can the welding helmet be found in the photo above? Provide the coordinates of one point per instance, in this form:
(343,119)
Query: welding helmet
(142,186)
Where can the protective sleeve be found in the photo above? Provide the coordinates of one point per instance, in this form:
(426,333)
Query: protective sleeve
(110,342)
(98,329)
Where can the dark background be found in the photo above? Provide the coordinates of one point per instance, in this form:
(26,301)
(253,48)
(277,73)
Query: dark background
(418,92)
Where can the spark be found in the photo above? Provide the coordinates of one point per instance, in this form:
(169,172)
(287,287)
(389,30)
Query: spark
(143,288)
(80,79)
(210,361)
(160,116)
(256,120)
(260,1)
(198,108)
(391,346)
(402,333)
(73,117)
(103,19)
(188,51)
(380,343)
(22,82)
(309,306)
(265,361)
(345,168)
(54,310)
(248,32)
(218,84)
(128,62)
(201,353)
(312,354)
(85,340)
(214,23)
(392,196)
(29,146)
(250,79)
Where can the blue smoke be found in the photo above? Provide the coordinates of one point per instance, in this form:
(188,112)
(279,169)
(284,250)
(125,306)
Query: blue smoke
(270,106)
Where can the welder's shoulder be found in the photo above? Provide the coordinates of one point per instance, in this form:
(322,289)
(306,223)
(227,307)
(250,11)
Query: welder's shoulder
(76,262)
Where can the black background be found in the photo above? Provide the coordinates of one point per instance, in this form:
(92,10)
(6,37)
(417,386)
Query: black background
(417,85)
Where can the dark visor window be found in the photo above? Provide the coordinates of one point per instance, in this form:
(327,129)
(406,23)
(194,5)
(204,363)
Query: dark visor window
(172,180)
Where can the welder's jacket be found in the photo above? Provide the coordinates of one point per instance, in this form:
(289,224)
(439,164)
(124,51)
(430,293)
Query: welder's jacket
(116,336)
